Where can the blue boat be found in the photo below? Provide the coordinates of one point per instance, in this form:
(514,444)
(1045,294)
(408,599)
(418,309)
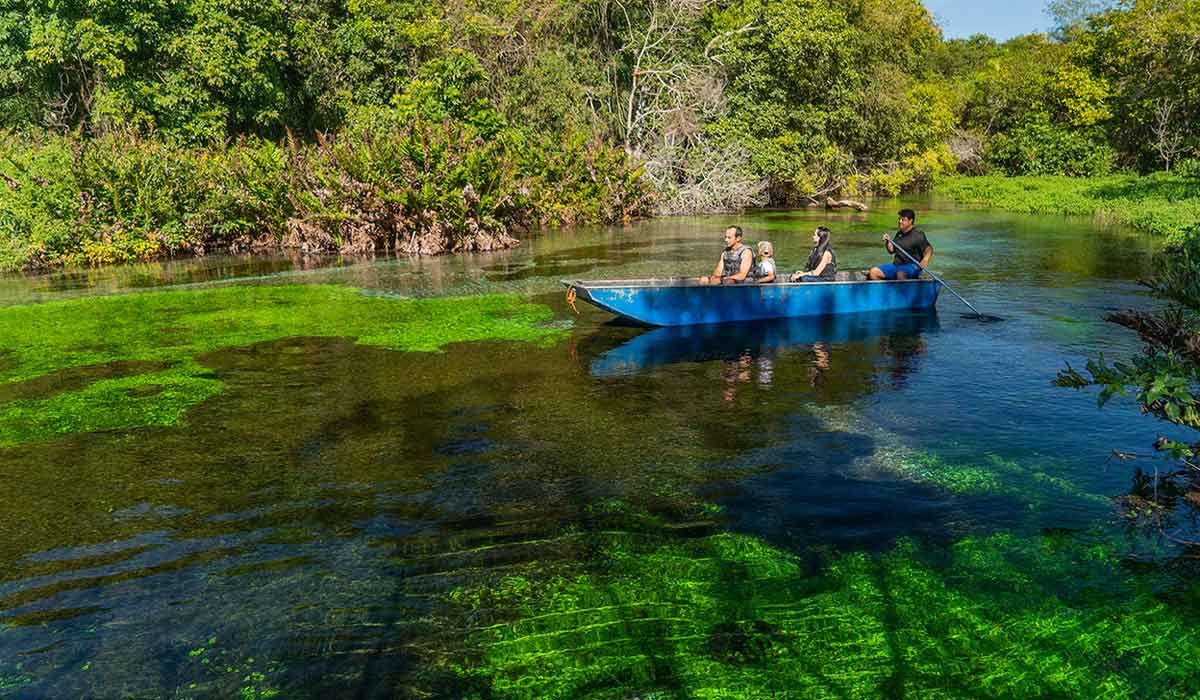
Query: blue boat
(685,302)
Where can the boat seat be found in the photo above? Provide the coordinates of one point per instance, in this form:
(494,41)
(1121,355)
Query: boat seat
(851,276)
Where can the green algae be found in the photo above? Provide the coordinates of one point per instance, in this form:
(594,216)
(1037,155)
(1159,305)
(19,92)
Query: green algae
(986,474)
(992,474)
(730,617)
(221,670)
(172,330)
(173,326)
(956,478)
(159,399)
(14,682)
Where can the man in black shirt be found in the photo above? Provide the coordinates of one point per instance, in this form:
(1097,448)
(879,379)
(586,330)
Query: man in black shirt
(912,241)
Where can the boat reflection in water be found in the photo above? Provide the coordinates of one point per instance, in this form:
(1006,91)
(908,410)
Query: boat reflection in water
(748,349)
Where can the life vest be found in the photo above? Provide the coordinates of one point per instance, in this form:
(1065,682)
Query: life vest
(760,269)
(732,261)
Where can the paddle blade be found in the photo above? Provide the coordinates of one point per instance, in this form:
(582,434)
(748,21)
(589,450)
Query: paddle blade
(983,318)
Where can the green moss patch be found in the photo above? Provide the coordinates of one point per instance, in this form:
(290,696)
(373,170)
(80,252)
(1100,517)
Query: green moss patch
(73,379)
(55,346)
(147,400)
(177,325)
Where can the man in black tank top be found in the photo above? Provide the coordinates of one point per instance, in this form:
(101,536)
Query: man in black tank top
(734,265)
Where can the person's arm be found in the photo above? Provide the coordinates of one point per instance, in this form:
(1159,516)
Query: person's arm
(887,241)
(745,269)
(826,258)
(716,275)
(927,256)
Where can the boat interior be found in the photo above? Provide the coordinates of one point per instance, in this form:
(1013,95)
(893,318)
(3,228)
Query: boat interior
(842,276)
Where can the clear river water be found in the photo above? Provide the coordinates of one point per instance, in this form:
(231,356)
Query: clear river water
(899,505)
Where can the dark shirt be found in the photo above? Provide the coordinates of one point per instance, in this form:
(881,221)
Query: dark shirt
(914,243)
(814,259)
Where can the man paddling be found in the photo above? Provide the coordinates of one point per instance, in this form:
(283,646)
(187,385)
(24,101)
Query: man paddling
(912,241)
(735,263)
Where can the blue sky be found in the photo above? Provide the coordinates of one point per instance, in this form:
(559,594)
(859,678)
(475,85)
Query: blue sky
(1002,19)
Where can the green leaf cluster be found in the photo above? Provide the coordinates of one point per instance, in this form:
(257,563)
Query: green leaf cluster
(1165,378)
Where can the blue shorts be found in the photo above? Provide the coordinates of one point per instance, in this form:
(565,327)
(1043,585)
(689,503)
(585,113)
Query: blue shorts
(912,270)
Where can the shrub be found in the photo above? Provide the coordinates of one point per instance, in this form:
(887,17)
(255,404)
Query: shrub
(1161,204)
(1188,167)
(1038,147)
(391,179)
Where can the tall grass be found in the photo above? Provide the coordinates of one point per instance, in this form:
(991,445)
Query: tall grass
(1162,204)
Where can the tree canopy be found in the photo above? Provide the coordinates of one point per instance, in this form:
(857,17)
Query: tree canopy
(808,95)
(667,105)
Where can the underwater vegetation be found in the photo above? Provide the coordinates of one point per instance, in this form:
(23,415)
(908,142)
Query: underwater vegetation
(989,474)
(460,524)
(132,361)
(728,616)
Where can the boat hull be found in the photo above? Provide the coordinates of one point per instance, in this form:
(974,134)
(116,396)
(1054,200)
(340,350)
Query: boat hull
(682,303)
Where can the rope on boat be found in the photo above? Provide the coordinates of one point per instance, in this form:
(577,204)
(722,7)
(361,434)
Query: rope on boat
(571,299)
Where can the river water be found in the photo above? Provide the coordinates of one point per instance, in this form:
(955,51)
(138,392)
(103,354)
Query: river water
(860,507)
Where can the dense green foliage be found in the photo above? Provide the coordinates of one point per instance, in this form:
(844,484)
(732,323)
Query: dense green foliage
(147,128)
(730,617)
(412,188)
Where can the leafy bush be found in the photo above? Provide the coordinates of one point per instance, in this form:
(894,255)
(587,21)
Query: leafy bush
(1188,167)
(1038,147)
(390,180)
(917,171)
(39,203)
(578,181)
(108,199)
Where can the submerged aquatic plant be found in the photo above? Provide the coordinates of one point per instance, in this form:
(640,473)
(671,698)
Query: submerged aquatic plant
(146,400)
(730,617)
(170,331)
(1029,481)
(990,474)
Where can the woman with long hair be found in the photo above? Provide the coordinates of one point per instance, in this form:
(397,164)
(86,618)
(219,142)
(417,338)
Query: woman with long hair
(822,261)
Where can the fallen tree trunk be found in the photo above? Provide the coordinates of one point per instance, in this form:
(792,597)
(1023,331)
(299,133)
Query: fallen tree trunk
(831,203)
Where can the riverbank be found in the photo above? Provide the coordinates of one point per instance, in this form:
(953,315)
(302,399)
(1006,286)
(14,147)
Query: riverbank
(1162,204)
(414,188)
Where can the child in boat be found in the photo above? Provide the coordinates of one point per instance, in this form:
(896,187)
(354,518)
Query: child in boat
(822,261)
(764,271)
